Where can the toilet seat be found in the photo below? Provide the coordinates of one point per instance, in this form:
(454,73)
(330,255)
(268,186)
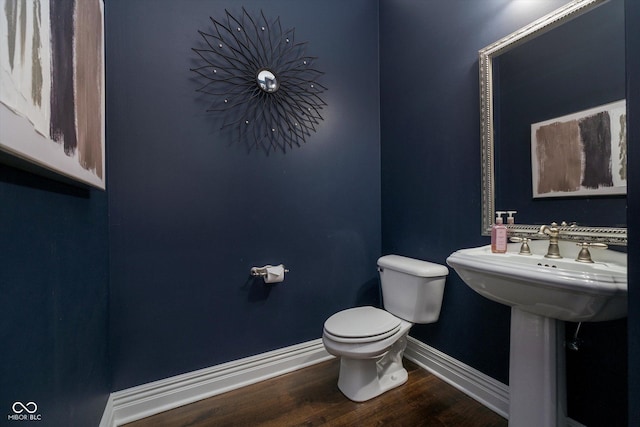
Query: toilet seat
(361,325)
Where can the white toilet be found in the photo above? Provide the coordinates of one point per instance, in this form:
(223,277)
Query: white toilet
(369,341)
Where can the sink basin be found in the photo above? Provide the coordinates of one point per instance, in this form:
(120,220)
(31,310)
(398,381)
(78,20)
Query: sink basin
(562,289)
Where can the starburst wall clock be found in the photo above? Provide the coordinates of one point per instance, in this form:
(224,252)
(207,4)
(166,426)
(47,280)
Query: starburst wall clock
(260,80)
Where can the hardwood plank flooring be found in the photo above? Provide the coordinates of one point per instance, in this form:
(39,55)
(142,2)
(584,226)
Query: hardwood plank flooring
(310,397)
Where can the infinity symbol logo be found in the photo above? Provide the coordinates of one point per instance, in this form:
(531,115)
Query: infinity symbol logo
(19,407)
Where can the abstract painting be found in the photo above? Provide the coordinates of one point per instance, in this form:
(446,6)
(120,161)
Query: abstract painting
(581,154)
(52,86)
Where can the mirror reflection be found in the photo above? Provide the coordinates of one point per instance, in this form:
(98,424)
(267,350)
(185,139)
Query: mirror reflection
(267,81)
(574,67)
(566,62)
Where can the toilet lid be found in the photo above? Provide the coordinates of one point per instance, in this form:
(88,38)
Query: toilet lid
(362,322)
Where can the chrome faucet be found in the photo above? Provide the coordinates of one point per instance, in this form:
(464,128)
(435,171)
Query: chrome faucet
(553,232)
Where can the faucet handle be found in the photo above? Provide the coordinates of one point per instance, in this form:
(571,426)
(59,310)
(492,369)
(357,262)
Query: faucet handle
(584,255)
(524,248)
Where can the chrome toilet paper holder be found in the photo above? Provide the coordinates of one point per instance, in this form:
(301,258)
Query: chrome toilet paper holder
(263,271)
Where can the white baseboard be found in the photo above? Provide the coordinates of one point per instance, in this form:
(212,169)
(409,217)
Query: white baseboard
(486,390)
(139,402)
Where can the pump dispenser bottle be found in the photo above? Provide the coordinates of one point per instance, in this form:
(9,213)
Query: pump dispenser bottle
(499,235)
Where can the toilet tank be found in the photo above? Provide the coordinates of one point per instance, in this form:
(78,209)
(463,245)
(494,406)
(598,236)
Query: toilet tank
(412,289)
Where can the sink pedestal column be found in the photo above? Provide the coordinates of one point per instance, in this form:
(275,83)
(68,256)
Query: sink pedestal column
(537,384)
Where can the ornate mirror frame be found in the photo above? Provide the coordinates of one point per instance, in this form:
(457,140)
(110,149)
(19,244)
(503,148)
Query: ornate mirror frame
(608,235)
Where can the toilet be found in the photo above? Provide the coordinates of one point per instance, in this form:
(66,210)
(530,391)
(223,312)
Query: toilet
(369,341)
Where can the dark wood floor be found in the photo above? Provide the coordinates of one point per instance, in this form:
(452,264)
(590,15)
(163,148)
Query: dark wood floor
(310,397)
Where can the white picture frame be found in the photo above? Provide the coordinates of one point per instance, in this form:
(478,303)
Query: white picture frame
(52,87)
(581,154)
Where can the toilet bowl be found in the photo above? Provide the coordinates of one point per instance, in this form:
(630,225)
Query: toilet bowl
(370,341)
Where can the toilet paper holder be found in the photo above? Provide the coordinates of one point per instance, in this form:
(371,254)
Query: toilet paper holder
(263,271)
(270,273)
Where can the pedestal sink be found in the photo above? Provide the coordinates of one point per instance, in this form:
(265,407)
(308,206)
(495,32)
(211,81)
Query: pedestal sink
(542,293)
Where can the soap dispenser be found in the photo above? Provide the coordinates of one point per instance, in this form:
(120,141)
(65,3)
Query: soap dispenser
(499,235)
(511,219)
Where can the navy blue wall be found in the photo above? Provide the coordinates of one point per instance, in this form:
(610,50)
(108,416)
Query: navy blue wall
(191,212)
(53,287)
(430,149)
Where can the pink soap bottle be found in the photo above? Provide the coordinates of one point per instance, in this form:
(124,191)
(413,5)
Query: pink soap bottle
(499,235)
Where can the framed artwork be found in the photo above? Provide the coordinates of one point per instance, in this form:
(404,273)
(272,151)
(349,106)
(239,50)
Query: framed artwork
(581,154)
(52,90)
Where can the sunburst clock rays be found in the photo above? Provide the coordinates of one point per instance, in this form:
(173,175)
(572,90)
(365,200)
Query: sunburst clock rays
(261,81)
